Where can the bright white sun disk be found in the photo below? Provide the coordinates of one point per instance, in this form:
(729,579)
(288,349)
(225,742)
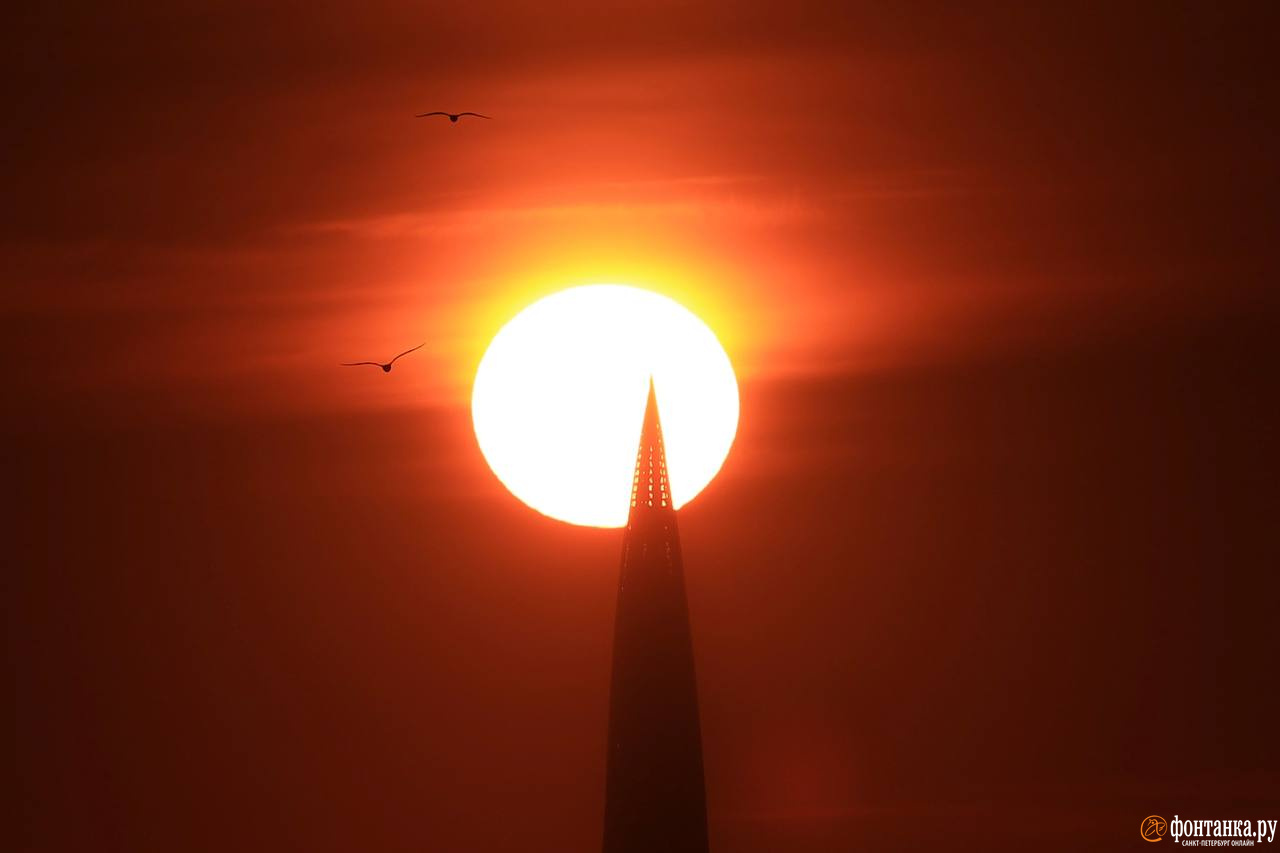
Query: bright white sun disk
(560,393)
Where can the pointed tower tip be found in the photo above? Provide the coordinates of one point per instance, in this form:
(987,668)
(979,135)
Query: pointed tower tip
(650,424)
(650,486)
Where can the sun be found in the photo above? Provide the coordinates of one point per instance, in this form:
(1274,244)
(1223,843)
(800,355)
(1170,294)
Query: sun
(559,398)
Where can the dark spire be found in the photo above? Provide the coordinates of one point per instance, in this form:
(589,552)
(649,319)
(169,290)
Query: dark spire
(654,795)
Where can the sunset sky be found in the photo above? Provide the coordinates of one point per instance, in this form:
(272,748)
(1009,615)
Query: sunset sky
(991,564)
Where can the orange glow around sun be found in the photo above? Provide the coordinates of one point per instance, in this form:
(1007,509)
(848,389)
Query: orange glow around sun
(560,392)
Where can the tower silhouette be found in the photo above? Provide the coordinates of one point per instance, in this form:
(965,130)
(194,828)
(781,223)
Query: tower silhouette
(655,798)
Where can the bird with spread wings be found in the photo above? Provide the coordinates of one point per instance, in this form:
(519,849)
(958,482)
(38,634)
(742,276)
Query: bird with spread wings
(453,117)
(386,366)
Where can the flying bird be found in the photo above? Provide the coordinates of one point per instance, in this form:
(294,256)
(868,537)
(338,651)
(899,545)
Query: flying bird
(386,367)
(453,117)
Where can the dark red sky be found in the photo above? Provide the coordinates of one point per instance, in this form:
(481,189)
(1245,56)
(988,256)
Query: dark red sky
(992,563)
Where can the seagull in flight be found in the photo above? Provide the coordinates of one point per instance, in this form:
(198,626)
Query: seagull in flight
(453,117)
(386,367)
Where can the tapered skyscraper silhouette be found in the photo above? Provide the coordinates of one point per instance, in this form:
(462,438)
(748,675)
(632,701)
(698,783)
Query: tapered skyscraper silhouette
(655,799)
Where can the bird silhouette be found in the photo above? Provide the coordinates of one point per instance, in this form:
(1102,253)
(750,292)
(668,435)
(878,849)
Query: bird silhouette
(453,117)
(386,366)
